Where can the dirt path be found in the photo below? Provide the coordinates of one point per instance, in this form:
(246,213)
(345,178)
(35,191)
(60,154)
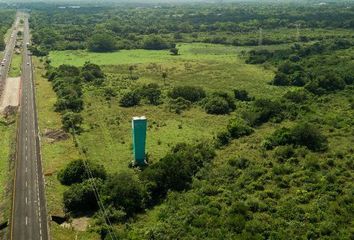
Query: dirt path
(11,93)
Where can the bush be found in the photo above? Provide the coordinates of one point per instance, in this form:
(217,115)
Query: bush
(328,82)
(298,96)
(217,105)
(125,192)
(80,197)
(75,172)
(264,110)
(238,128)
(308,135)
(179,104)
(192,94)
(281,79)
(152,93)
(223,138)
(242,95)
(92,73)
(176,169)
(72,121)
(130,99)
(302,134)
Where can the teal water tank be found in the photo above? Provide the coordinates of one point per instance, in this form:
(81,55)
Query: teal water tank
(139,126)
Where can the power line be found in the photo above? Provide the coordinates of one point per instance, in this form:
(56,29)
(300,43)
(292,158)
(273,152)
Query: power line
(94,187)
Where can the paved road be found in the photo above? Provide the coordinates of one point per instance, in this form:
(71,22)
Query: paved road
(8,52)
(29,215)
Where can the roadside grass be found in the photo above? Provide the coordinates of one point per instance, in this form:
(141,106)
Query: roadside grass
(55,155)
(8,132)
(60,233)
(15,68)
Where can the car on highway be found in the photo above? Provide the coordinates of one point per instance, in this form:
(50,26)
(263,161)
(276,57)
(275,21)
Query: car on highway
(27,63)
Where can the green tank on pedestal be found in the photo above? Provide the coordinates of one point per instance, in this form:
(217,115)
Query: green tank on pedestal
(139,126)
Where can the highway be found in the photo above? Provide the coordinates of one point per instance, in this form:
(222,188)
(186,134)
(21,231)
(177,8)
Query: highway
(8,52)
(29,214)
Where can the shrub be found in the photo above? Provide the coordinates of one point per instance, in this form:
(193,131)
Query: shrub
(217,105)
(242,95)
(302,134)
(308,135)
(281,79)
(264,110)
(92,73)
(151,92)
(72,121)
(125,192)
(176,169)
(75,172)
(298,96)
(80,197)
(130,99)
(192,94)
(179,104)
(223,138)
(238,128)
(239,162)
(327,82)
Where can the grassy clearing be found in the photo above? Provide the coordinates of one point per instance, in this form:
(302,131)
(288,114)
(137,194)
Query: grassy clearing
(15,68)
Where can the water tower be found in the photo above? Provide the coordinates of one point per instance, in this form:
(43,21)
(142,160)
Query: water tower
(139,126)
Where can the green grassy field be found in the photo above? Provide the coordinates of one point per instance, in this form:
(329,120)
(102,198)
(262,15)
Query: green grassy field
(15,68)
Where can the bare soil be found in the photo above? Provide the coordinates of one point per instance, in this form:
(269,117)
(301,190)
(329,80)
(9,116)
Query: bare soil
(11,95)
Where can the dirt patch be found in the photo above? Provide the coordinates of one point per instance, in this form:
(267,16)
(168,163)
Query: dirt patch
(78,224)
(11,94)
(54,135)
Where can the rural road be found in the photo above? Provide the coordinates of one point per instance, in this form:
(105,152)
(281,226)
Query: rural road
(29,214)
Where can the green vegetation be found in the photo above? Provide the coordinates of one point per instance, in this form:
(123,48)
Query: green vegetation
(15,68)
(265,132)
(7,129)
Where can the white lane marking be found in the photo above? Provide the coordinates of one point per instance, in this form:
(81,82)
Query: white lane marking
(26,200)
(26,169)
(26,220)
(26,183)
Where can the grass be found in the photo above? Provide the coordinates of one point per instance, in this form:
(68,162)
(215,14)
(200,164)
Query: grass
(7,131)
(15,68)
(54,155)
(106,135)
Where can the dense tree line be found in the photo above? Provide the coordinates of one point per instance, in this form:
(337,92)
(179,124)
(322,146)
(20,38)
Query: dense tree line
(67,82)
(150,27)
(7,18)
